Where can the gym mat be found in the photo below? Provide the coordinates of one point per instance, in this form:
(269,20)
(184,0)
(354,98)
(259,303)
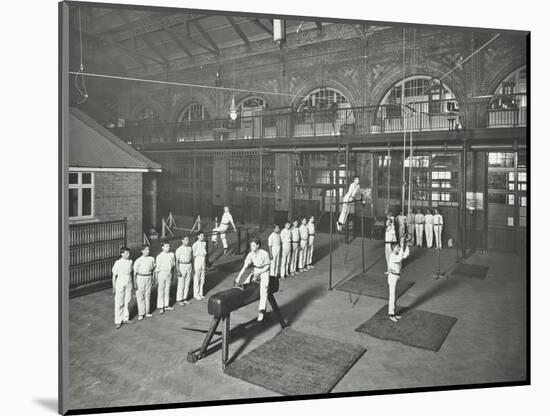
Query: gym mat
(416,328)
(294,363)
(373,285)
(471,270)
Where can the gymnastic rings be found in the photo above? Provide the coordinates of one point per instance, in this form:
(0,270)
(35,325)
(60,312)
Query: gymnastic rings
(408,237)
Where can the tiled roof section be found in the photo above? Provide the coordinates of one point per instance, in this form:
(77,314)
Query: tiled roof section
(93,146)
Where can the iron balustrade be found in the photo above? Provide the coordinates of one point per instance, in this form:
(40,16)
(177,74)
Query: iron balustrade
(507,110)
(93,249)
(283,123)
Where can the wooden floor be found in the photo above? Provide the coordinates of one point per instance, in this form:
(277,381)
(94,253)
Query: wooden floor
(146,363)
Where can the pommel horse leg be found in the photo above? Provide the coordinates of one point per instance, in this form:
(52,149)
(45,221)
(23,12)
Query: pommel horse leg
(194,356)
(276,309)
(225,340)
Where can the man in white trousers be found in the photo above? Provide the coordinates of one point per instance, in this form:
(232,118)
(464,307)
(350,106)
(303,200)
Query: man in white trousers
(429,227)
(353,192)
(286,246)
(295,240)
(166,262)
(397,255)
(259,259)
(311,238)
(274,244)
(122,287)
(438,228)
(227,219)
(143,278)
(199,266)
(304,238)
(184,260)
(419,227)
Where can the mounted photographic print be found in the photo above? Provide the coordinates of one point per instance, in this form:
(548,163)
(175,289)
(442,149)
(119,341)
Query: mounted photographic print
(262,207)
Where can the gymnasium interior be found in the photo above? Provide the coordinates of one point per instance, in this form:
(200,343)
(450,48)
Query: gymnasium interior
(175,114)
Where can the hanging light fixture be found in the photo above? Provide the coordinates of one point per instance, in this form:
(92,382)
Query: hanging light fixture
(233,111)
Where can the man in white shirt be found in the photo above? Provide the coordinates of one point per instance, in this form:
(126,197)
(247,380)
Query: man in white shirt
(304,238)
(295,235)
(184,260)
(394,272)
(122,287)
(274,244)
(353,192)
(199,254)
(438,228)
(429,226)
(166,262)
(419,227)
(259,259)
(389,239)
(227,219)
(143,276)
(286,245)
(311,238)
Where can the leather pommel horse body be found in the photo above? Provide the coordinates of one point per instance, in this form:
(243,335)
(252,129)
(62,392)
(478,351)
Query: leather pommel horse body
(220,306)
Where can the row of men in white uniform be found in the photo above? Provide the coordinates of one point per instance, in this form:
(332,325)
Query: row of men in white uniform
(291,249)
(419,225)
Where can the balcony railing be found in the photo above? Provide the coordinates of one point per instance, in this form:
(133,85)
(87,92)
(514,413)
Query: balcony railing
(284,123)
(507,111)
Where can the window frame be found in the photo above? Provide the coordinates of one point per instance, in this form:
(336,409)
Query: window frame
(79,186)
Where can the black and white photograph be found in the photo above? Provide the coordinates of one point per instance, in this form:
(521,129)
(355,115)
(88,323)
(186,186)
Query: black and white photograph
(266,207)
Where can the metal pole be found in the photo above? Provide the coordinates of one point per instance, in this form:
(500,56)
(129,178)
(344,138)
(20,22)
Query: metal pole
(464,177)
(330,244)
(195,182)
(261,181)
(363,232)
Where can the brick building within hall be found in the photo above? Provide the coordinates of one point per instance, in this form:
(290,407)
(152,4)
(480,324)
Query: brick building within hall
(107,178)
(328,101)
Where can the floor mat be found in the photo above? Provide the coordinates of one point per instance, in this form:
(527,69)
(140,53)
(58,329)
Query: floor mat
(416,328)
(294,363)
(471,270)
(373,285)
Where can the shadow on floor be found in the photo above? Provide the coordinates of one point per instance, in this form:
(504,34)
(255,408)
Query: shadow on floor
(49,404)
(437,289)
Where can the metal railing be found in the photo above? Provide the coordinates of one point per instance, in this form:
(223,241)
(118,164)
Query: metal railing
(93,249)
(284,123)
(507,111)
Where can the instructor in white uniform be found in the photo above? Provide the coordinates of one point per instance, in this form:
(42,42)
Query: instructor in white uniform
(429,225)
(394,272)
(286,238)
(438,228)
(419,227)
(274,243)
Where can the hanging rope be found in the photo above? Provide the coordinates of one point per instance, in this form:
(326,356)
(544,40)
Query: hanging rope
(404,118)
(183,84)
(82,91)
(388,163)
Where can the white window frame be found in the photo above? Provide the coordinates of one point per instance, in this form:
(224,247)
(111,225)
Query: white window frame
(79,186)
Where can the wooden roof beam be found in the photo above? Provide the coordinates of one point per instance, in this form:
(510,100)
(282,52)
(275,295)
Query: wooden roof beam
(238,30)
(262,26)
(206,36)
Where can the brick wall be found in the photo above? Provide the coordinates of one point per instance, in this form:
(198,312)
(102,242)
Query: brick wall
(119,195)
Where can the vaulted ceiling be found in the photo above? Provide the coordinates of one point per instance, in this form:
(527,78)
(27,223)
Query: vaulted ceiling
(128,40)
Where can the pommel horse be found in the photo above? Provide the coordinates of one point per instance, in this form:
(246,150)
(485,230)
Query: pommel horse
(221,304)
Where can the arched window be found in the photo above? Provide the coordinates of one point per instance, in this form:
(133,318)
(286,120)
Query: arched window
(416,103)
(251,103)
(194,112)
(508,105)
(322,99)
